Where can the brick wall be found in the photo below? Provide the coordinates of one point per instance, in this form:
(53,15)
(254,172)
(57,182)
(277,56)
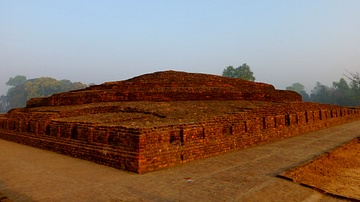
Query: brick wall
(174,145)
(143,150)
(119,136)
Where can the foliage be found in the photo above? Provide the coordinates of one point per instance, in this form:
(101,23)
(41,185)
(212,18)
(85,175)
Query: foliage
(341,93)
(243,72)
(305,96)
(22,90)
(322,94)
(297,87)
(4,104)
(17,80)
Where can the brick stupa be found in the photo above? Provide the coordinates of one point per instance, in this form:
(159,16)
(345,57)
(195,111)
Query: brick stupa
(165,118)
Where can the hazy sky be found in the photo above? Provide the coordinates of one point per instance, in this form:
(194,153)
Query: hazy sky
(93,41)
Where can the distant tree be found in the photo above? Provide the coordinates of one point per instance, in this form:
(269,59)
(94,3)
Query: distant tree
(354,88)
(322,94)
(4,104)
(17,80)
(341,92)
(243,72)
(354,93)
(230,72)
(22,91)
(41,87)
(65,85)
(77,86)
(354,77)
(16,97)
(297,87)
(341,85)
(305,96)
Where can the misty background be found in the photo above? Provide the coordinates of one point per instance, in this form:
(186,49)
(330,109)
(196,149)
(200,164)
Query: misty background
(97,41)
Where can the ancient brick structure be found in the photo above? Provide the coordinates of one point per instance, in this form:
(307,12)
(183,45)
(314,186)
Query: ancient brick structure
(170,86)
(166,118)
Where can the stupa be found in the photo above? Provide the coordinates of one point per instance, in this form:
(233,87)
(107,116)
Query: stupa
(165,118)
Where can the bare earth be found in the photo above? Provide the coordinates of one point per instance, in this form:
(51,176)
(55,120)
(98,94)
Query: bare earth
(30,174)
(336,172)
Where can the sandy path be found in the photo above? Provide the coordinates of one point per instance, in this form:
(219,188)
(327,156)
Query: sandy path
(30,174)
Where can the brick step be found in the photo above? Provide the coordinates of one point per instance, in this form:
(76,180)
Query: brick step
(65,141)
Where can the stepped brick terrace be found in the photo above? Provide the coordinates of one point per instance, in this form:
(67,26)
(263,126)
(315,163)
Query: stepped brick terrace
(166,118)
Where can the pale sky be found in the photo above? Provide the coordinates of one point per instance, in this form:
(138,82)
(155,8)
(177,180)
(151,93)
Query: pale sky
(94,41)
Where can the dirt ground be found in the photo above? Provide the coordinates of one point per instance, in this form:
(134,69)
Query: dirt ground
(31,174)
(336,173)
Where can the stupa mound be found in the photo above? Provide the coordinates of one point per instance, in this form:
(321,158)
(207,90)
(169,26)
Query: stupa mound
(165,118)
(170,86)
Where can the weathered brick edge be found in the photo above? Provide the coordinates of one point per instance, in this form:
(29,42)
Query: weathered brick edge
(145,150)
(99,153)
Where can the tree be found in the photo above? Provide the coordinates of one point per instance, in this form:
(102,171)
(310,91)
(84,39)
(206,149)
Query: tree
(305,96)
(16,97)
(354,88)
(341,92)
(243,72)
(299,88)
(230,72)
(42,87)
(341,85)
(17,80)
(354,93)
(355,77)
(22,91)
(76,86)
(322,94)
(4,104)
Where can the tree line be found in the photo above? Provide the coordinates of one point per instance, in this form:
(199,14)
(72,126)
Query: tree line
(23,89)
(342,92)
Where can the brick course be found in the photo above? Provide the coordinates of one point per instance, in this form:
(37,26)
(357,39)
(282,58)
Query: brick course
(162,119)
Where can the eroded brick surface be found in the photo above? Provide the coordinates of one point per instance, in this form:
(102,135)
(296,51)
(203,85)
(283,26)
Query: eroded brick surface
(166,118)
